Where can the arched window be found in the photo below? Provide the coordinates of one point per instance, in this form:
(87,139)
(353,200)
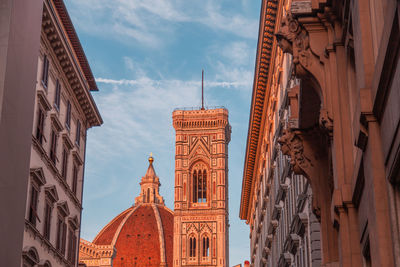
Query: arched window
(195,186)
(199,184)
(192,247)
(148,195)
(206,247)
(204,189)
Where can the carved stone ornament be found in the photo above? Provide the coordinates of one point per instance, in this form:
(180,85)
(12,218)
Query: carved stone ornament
(293,38)
(292,145)
(326,122)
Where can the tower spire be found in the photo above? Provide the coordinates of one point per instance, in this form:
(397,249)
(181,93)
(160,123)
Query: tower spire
(202,89)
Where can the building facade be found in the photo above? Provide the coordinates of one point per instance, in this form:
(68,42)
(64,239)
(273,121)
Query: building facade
(64,111)
(276,202)
(201,187)
(342,121)
(140,236)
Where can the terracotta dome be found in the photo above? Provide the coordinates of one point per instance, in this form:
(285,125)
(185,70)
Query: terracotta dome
(142,236)
(139,236)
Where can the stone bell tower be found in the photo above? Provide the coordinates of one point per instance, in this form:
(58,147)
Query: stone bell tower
(201,187)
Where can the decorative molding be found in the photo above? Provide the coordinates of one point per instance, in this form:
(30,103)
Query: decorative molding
(265,48)
(38,176)
(163,261)
(51,193)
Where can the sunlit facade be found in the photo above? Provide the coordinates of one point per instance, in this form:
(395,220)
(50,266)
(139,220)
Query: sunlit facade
(64,111)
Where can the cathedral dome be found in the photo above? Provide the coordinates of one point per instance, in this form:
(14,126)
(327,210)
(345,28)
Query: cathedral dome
(142,235)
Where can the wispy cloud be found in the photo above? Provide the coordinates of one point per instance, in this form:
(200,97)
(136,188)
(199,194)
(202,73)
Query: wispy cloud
(147,21)
(209,84)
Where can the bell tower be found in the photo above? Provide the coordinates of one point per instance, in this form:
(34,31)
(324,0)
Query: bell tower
(201,187)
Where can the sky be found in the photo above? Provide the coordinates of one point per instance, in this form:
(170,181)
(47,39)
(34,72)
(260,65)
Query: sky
(147,57)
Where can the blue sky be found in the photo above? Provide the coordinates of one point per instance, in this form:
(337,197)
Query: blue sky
(147,57)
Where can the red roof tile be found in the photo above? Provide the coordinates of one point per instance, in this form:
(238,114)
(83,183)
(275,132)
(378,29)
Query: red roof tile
(138,242)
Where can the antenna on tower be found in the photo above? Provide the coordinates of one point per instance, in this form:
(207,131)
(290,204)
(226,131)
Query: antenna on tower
(202,89)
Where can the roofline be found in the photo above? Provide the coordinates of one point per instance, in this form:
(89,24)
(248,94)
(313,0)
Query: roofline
(75,43)
(266,41)
(77,56)
(123,213)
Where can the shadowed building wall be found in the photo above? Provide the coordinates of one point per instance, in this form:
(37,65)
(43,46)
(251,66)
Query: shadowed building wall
(342,130)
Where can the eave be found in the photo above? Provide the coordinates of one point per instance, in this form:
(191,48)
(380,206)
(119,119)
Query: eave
(71,58)
(75,43)
(263,59)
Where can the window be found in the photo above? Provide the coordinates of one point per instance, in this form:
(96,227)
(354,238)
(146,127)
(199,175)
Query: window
(199,185)
(78,133)
(71,245)
(57,95)
(47,220)
(192,247)
(61,235)
(33,205)
(68,116)
(206,246)
(53,147)
(75,179)
(40,125)
(30,257)
(45,71)
(64,164)
(367,254)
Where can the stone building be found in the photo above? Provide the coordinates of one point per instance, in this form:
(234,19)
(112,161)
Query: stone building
(201,227)
(196,233)
(343,120)
(139,236)
(64,111)
(275,201)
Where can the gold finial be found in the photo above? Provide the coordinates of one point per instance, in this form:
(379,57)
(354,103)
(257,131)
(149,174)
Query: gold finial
(151,159)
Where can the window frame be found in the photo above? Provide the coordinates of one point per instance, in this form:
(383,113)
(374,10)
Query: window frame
(53,146)
(78,133)
(61,234)
(192,247)
(41,117)
(205,242)
(199,184)
(75,175)
(68,116)
(64,166)
(57,95)
(45,71)
(71,255)
(48,210)
(33,204)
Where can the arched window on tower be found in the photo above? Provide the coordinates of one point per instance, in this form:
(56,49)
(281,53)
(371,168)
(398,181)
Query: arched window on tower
(199,184)
(204,189)
(206,247)
(195,186)
(148,195)
(192,247)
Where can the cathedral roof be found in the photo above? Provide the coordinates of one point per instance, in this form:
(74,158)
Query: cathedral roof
(141,235)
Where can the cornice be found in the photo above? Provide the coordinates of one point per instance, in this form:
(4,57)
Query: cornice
(60,33)
(75,43)
(266,45)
